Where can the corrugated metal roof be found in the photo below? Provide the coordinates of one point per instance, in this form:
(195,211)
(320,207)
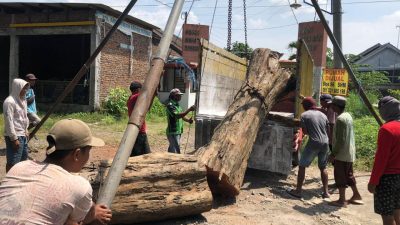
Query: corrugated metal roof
(18,7)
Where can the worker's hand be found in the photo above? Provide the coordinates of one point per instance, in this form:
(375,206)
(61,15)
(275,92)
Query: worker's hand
(192,108)
(331,159)
(102,214)
(190,121)
(15,145)
(371,188)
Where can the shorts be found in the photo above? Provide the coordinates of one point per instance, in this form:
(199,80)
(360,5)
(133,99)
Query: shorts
(343,172)
(387,195)
(16,156)
(312,150)
(141,146)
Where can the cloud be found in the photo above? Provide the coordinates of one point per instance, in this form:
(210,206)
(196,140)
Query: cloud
(358,36)
(257,23)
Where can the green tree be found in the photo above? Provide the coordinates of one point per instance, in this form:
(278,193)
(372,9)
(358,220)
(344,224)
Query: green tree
(239,49)
(329,58)
(292,47)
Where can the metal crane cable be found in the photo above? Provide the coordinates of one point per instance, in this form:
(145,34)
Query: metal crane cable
(229,40)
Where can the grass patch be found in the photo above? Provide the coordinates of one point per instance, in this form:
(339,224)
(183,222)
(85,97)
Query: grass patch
(366,134)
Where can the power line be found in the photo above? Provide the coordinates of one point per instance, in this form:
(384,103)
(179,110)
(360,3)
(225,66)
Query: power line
(265,6)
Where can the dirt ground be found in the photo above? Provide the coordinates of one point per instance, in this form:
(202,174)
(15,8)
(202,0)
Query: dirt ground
(263,198)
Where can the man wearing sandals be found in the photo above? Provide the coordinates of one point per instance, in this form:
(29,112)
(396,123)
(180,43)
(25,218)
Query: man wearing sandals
(315,124)
(385,177)
(343,154)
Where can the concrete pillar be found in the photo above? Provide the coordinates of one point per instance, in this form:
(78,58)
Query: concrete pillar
(317,82)
(94,87)
(14,57)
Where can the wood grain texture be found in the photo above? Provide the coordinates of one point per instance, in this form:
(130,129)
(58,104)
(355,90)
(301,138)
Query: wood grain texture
(157,186)
(225,157)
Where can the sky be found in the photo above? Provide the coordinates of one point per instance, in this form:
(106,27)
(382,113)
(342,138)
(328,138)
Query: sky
(271,23)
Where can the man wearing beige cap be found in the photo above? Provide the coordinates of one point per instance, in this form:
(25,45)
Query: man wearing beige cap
(46,192)
(343,154)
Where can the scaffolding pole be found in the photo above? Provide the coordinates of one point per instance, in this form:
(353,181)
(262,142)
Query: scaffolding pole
(138,115)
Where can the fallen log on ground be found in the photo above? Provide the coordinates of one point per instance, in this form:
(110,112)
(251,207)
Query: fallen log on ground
(156,186)
(228,151)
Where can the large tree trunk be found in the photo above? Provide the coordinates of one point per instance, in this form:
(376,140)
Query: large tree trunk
(228,151)
(157,186)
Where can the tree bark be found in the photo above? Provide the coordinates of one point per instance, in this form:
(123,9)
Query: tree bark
(156,186)
(225,157)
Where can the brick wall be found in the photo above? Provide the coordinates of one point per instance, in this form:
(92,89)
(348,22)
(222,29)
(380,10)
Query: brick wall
(115,65)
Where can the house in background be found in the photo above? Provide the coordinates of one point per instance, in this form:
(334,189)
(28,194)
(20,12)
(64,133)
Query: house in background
(54,40)
(383,58)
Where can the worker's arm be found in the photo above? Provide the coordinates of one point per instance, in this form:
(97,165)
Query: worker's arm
(339,137)
(183,114)
(190,120)
(98,212)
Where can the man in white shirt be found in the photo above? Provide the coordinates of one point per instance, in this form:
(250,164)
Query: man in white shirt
(46,192)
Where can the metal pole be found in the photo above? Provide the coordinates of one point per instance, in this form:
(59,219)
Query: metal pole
(346,64)
(84,69)
(337,31)
(398,36)
(138,115)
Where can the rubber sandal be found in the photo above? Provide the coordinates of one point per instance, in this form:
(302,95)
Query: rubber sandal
(336,204)
(356,202)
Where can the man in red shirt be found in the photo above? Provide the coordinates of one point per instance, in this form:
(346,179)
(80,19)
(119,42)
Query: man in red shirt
(142,144)
(385,176)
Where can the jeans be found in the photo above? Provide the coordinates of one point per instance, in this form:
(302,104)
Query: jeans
(174,140)
(15,156)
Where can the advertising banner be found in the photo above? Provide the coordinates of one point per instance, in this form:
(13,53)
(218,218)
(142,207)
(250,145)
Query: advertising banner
(335,82)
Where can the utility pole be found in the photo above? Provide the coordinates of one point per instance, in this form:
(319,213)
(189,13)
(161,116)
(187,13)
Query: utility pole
(357,84)
(337,31)
(398,36)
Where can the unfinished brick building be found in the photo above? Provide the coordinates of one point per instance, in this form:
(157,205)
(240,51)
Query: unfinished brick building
(53,40)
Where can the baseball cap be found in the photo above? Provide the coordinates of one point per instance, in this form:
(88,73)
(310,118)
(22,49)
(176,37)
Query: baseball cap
(339,101)
(69,134)
(30,76)
(326,98)
(308,103)
(175,91)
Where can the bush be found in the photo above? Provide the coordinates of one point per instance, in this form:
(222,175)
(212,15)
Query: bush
(356,107)
(157,109)
(394,93)
(366,134)
(115,103)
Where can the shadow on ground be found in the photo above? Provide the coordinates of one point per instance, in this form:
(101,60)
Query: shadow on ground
(185,220)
